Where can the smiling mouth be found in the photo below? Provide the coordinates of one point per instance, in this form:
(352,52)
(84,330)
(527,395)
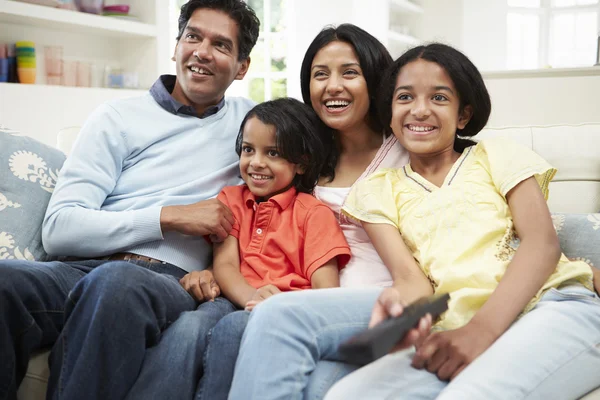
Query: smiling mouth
(336,105)
(259,177)
(419,129)
(199,70)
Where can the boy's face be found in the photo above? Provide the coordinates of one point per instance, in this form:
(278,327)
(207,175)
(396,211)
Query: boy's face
(262,168)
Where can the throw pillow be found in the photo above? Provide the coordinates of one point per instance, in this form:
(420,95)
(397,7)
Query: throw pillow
(579,236)
(28,173)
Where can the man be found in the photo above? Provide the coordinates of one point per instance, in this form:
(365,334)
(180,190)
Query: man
(130,208)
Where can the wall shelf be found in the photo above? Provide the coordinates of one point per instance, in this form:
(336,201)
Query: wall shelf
(401,38)
(406,6)
(14,12)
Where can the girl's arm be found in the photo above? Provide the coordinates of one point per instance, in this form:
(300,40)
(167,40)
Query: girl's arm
(534,261)
(408,278)
(226,266)
(327,276)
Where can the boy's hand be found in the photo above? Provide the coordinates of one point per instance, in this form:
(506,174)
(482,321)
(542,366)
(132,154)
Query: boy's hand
(261,294)
(201,285)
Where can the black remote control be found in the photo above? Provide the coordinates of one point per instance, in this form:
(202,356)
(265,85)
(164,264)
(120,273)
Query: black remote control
(378,341)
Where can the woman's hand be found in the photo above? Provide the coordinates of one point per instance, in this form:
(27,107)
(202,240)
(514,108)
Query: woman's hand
(260,295)
(446,354)
(389,304)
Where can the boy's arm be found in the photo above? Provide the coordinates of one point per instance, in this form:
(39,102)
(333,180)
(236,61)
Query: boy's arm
(408,278)
(327,276)
(226,266)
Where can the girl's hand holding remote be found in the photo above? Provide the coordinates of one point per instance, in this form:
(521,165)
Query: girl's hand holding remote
(447,353)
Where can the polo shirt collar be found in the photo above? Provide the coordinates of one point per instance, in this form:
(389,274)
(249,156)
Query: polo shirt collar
(161,92)
(283,200)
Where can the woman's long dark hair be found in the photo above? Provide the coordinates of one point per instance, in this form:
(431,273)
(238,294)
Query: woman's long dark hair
(373,58)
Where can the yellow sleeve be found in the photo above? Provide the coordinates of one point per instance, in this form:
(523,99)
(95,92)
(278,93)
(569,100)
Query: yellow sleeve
(511,163)
(373,199)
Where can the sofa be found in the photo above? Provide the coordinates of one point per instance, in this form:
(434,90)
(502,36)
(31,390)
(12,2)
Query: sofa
(574,202)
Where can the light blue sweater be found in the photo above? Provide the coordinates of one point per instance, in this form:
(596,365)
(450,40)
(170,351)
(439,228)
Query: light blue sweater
(131,158)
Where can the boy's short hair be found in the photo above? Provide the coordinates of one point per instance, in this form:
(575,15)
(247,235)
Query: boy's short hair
(302,138)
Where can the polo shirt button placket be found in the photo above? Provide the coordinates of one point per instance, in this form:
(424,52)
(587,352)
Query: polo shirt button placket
(259,231)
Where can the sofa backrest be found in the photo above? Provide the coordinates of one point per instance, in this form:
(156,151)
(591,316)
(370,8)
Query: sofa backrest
(572,149)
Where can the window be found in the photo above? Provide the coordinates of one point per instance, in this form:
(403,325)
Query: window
(266,79)
(552,33)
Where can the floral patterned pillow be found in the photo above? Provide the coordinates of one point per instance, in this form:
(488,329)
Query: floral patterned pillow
(579,236)
(28,173)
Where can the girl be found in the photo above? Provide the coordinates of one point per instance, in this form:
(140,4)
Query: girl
(340,74)
(523,321)
(277,242)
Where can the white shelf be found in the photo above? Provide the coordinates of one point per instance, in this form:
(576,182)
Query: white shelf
(401,38)
(15,12)
(407,6)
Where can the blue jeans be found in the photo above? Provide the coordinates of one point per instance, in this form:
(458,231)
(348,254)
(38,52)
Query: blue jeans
(223,343)
(289,348)
(101,317)
(180,353)
(550,353)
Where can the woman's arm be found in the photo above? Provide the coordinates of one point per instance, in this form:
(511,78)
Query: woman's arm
(534,261)
(327,276)
(226,266)
(408,278)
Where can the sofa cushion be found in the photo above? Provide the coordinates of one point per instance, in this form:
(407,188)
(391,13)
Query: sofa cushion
(579,236)
(28,173)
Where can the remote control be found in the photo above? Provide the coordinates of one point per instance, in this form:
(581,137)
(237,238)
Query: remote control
(379,340)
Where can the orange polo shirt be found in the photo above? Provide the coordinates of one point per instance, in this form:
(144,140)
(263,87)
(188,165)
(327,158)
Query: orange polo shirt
(284,239)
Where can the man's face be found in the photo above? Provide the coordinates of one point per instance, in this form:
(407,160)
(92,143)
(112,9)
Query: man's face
(206,59)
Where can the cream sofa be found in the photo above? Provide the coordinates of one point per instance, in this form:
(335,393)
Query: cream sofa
(573,149)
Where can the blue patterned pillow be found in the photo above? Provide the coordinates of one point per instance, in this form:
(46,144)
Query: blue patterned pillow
(28,173)
(579,236)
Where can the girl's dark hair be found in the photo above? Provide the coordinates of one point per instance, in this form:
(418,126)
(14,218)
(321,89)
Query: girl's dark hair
(373,58)
(465,76)
(247,21)
(301,137)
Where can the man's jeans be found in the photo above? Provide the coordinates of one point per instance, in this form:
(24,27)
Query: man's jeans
(101,317)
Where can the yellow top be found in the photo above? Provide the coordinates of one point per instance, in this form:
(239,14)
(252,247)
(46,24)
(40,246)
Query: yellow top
(461,234)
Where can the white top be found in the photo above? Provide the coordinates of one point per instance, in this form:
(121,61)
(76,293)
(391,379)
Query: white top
(365,267)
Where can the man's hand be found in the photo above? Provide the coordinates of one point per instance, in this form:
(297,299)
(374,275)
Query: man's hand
(209,217)
(446,354)
(201,285)
(389,304)
(261,294)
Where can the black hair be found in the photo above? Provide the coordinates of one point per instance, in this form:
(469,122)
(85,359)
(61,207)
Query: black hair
(373,58)
(247,21)
(463,73)
(301,137)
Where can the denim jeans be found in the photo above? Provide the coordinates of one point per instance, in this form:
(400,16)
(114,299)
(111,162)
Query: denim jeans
(289,335)
(550,353)
(223,343)
(180,352)
(101,317)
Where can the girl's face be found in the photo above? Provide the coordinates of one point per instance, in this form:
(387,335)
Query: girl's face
(425,109)
(338,90)
(262,168)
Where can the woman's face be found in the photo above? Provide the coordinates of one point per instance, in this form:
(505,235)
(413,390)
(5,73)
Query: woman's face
(425,108)
(338,90)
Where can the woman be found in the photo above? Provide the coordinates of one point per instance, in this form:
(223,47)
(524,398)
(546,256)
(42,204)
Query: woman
(340,75)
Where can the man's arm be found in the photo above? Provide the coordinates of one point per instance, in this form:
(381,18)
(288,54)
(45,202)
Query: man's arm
(74,224)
